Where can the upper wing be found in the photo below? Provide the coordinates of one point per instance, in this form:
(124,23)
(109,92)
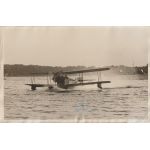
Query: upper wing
(86,70)
(73,72)
(40,73)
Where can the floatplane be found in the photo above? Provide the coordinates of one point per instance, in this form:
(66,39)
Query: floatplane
(62,80)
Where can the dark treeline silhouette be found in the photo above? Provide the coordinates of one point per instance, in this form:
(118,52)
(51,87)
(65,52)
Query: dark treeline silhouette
(129,70)
(27,70)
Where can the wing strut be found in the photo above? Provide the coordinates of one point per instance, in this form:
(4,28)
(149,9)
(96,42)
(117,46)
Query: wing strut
(99,85)
(99,76)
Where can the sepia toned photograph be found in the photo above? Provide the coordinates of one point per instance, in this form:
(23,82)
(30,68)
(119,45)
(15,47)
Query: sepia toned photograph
(75,74)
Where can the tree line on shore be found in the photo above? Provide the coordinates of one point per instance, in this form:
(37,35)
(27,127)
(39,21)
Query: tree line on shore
(27,70)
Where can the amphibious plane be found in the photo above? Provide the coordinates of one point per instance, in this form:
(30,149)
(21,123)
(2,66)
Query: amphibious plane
(62,80)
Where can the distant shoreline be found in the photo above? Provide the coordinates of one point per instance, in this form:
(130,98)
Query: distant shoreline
(27,70)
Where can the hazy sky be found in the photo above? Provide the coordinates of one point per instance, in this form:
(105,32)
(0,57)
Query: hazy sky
(67,46)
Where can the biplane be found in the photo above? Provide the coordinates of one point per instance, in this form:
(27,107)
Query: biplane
(62,80)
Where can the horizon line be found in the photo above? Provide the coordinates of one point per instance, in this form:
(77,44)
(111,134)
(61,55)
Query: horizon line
(77,65)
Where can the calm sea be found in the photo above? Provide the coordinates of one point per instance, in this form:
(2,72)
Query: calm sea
(125,98)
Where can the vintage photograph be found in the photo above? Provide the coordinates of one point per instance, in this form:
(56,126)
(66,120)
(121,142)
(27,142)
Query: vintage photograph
(75,74)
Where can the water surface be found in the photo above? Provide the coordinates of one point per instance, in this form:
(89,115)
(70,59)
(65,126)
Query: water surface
(124,98)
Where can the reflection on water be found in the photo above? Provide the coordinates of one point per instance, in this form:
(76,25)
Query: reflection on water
(122,99)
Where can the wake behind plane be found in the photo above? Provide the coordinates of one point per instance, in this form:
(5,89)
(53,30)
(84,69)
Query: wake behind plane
(62,80)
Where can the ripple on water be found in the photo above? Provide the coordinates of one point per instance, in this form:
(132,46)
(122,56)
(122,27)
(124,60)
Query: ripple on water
(128,101)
